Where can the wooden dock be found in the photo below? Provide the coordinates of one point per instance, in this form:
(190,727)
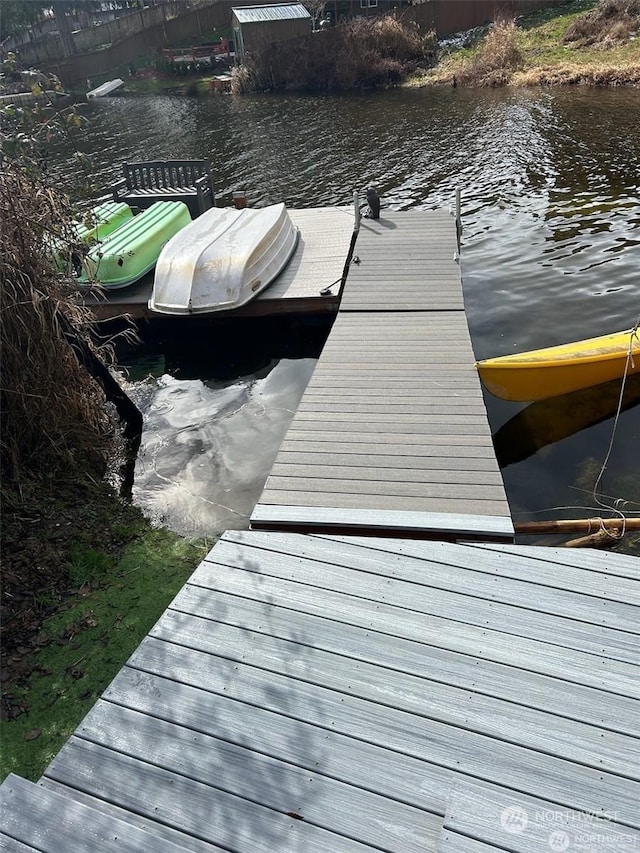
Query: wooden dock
(314,691)
(405,261)
(391,433)
(310,284)
(343,695)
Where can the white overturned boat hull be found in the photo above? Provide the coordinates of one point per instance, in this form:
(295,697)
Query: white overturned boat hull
(222,260)
(106,89)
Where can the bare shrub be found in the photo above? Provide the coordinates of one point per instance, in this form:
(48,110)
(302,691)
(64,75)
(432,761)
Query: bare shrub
(56,433)
(611,22)
(54,421)
(363,53)
(242,80)
(497,58)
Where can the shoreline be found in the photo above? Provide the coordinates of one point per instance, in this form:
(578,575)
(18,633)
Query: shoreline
(577,44)
(606,76)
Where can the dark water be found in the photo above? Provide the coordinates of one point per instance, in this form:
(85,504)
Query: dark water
(550,185)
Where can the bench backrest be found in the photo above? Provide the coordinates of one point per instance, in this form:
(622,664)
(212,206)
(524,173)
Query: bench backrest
(165,174)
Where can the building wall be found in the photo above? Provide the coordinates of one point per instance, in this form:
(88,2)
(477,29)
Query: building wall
(49,47)
(129,36)
(451,16)
(76,69)
(258,34)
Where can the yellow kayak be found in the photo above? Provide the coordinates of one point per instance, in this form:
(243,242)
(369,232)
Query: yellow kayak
(550,372)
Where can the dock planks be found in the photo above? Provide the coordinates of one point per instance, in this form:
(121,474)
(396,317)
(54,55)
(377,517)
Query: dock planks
(392,421)
(336,693)
(391,434)
(318,265)
(406,261)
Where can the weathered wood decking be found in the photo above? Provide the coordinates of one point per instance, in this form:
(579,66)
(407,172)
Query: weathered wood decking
(391,433)
(307,693)
(309,284)
(326,692)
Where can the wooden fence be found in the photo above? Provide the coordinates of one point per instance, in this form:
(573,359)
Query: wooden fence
(443,16)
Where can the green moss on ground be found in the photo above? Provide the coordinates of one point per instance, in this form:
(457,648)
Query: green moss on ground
(87,641)
(121,574)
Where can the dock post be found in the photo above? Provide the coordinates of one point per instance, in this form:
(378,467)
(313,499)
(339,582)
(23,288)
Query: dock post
(356,210)
(458,216)
(239,200)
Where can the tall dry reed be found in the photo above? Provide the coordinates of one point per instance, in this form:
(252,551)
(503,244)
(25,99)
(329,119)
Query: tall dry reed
(54,420)
(497,58)
(363,53)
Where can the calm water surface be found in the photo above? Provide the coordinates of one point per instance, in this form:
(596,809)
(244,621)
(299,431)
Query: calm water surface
(551,252)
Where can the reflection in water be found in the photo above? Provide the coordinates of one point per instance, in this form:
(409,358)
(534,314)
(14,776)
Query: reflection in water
(550,206)
(549,421)
(207,447)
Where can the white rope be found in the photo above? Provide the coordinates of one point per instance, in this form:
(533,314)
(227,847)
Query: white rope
(615,508)
(617,503)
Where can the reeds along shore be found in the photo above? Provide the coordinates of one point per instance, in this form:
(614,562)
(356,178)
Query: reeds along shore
(363,53)
(54,423)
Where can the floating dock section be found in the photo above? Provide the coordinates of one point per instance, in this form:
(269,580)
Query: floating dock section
(391,434)
(310,284)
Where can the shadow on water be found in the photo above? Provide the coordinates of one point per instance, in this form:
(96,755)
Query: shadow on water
(220,349)
(225,349)
(549,421)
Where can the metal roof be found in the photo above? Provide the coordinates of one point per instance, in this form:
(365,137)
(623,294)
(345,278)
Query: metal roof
(281,12)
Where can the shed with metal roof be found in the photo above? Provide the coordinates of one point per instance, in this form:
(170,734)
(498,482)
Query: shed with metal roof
(258,26)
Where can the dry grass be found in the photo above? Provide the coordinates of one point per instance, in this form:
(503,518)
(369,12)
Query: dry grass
(612,22)
(497,58)
(576,75)
(56,432)
(569,46)
(54,422)
(363,53)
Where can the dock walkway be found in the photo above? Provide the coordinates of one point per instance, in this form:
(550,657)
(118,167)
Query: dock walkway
(342,695)
(391,433)
(331,693)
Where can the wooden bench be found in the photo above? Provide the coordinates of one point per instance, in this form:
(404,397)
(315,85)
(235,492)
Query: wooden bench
(189,181)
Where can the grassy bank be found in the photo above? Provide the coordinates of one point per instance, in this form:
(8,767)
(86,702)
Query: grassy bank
(151,82)
(589,42)
(67,643)
(581,41)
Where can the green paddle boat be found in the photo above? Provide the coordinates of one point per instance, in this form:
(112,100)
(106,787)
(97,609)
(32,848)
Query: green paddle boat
(130,251)
(95,225)
(101,221)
